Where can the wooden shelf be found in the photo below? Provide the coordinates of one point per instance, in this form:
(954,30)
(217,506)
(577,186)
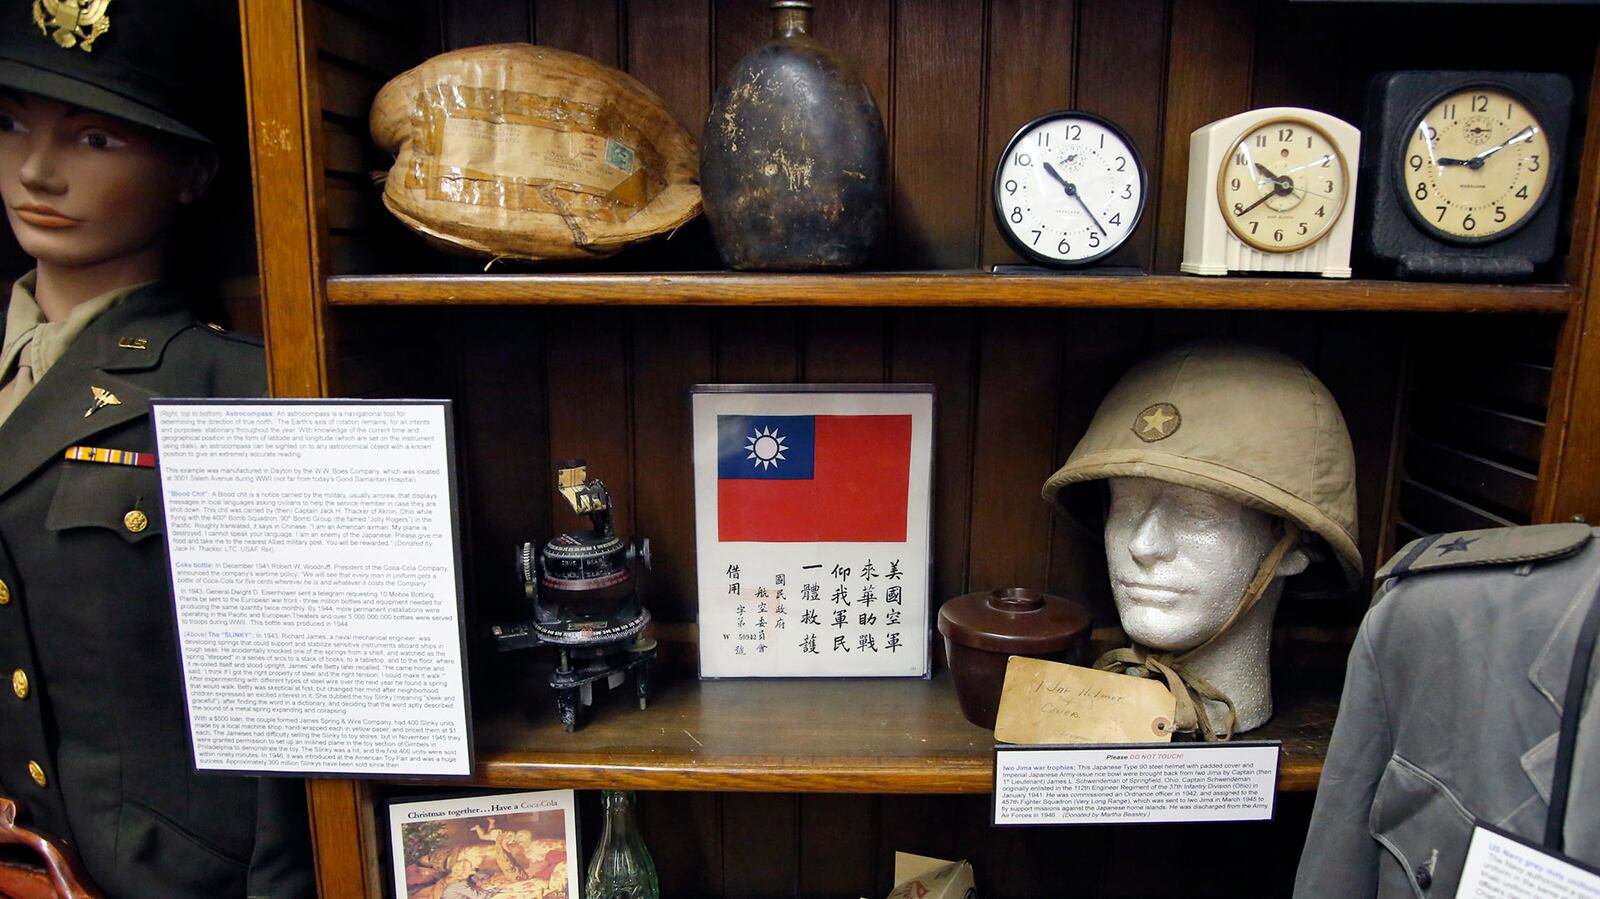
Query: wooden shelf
(957,288)
(811,736)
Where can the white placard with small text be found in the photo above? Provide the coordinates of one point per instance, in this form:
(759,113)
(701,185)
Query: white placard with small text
(316,581)
(1500,866)
(1135,783)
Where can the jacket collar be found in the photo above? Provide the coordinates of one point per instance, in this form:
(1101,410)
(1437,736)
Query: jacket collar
(128,338)
(1553,664)
(1549,673)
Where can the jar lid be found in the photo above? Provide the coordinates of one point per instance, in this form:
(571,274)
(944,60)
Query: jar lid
(1014,620)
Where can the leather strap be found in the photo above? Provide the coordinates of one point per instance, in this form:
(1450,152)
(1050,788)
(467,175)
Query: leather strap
(23,882)
(1189,689)
(63,870)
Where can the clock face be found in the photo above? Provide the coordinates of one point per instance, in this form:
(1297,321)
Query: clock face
(1475,165)
(1069,189)
(1284,185)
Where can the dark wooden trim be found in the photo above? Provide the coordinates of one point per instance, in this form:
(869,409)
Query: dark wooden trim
(285,151)
(1568,486)
(944,289)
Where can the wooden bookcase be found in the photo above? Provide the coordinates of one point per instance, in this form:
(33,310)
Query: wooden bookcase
(1470,405)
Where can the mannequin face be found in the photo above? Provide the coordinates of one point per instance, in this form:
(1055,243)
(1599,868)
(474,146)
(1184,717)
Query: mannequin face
(82,189)
(1180,559)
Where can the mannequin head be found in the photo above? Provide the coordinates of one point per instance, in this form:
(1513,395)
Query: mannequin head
(1180,560)
(92,197)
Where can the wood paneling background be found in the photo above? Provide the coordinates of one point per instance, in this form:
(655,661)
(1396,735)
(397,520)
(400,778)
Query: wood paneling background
(954,79)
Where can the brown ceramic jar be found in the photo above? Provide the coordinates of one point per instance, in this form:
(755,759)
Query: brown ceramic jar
(982,630)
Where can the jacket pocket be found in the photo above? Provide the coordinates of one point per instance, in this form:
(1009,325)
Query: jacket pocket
(1425,829)
(125,499)
(157,857)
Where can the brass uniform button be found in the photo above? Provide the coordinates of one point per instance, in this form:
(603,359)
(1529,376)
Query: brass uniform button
(38,774)
(5,593)
(216,327)
(19,683)
(135,521)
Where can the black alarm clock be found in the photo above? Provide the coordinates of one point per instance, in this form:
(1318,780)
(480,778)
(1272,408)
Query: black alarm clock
(1463,172)
(1068,189)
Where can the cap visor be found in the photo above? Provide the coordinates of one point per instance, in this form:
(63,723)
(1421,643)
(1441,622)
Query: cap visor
(34,80)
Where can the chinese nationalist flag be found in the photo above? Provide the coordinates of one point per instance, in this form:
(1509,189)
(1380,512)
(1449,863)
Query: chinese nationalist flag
(813,478)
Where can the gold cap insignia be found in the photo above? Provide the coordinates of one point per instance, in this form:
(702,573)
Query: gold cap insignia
(74,23)
(1157,422)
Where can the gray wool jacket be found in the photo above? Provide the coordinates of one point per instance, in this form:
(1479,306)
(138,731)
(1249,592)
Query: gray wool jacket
(1451,710)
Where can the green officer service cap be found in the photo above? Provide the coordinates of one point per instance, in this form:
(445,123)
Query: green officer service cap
(151,62)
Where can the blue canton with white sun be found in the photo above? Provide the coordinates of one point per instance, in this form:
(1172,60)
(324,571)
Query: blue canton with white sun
(766,447)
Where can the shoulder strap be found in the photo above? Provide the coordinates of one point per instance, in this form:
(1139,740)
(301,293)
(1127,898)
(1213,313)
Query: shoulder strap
(1494,546)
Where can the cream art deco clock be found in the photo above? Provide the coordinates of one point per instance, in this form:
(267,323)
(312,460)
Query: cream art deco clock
(1271,190)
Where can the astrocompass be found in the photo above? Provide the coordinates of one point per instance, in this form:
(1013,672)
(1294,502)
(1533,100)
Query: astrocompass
(585,602)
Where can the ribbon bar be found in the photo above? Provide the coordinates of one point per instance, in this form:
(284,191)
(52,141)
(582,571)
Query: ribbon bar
(110,456)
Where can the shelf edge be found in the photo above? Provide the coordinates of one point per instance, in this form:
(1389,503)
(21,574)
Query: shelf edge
(955,289)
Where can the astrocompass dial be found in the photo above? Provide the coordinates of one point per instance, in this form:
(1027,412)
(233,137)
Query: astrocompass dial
(1283,187)
(1475,165)
(766,448)
(1069,189)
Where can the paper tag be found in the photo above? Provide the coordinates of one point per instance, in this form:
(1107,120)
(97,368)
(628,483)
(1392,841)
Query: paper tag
(920,877)
(1135,784)
(1501,866)
(1048,702)
(528,152)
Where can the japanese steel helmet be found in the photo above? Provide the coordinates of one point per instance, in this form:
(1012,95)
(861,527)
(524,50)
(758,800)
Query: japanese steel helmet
(1235,420)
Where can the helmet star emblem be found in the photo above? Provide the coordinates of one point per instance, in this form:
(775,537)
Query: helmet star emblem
(1157,422)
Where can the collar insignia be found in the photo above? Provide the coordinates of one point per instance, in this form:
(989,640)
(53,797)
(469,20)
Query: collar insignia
(72,23)
(102,399)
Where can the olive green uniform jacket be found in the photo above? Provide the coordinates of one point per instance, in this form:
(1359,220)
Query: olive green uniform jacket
(1451,710)
(88,625)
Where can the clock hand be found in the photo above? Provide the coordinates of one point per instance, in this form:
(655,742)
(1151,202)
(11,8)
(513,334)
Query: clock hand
(1086,210)
(1312,163)
(1281,184)
(1072,191)
(1525,134)
(1262,199)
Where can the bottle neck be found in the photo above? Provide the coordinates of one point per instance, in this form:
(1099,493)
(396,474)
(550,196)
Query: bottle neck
(619,810)
(791,21)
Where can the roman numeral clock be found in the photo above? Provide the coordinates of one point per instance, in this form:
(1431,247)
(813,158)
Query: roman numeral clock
(1270,191)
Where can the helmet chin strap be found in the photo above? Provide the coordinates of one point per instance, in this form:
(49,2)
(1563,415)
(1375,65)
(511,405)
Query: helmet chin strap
(1189,689)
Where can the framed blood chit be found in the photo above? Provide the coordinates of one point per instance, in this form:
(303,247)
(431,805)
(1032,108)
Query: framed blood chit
(812,522)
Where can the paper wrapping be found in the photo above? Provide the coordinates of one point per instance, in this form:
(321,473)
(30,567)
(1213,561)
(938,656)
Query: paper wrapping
(521,151)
